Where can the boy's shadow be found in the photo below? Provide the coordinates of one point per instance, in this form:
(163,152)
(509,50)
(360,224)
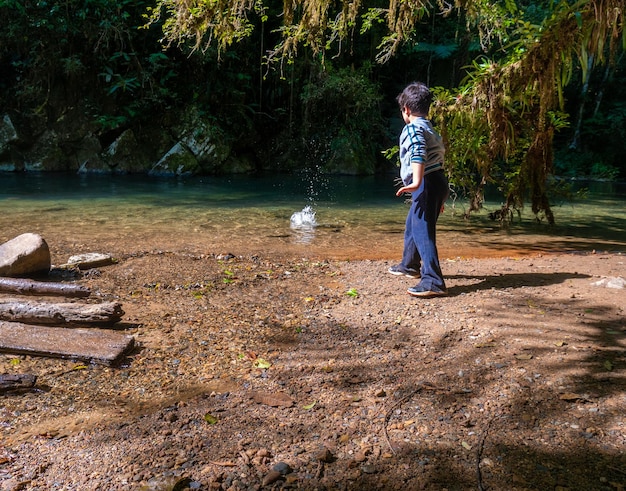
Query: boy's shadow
(477,282)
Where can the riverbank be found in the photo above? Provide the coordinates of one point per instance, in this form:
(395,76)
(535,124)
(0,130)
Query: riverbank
(329,373)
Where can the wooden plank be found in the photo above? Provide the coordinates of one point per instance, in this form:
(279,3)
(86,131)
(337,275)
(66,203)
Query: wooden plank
(105,313)
(92,345)
(30,287)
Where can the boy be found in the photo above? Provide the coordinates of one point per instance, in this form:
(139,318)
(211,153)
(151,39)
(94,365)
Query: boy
(421,171)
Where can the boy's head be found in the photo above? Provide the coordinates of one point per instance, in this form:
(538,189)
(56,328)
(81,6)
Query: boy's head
(416,97)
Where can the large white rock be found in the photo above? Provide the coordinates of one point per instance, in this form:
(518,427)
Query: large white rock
(617,282)
(24,255)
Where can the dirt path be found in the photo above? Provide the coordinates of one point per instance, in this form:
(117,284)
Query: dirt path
(265,372)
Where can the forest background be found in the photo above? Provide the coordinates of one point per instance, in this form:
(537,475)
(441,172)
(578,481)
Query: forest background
(525,91)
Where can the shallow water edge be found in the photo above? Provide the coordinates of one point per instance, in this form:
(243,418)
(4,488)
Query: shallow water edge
(357,218)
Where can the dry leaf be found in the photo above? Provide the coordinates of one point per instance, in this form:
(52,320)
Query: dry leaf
(484,345)
(524,357)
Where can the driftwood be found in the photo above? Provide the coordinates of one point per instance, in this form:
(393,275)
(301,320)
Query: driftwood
(16,381)
(31,287)
(92,345)
(106,313)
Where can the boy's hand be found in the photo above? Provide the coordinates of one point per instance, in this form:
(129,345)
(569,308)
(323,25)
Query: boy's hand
(406,189)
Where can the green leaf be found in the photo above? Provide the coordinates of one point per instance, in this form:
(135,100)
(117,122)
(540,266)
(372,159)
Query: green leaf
(352,292)
(310,406)
(209,418)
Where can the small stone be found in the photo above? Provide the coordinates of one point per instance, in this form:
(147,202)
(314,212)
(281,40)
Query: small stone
(354,474)
(282,468)
(381,393)
(271,477)
(369,469)
(90,260)
(291,479)
(360,457)
(324,455)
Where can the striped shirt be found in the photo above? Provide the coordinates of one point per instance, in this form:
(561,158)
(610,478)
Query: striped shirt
(420,144)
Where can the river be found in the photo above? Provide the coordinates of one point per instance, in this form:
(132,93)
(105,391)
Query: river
(356,217)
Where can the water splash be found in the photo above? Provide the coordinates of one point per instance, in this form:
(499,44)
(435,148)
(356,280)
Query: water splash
(304,219)
(304,223)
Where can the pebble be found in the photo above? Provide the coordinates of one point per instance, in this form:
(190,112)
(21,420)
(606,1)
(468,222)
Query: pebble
(282,468)
(324,455)
(271,477)
(360,457)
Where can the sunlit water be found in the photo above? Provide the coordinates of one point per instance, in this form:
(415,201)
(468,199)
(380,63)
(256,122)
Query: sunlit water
(354,217)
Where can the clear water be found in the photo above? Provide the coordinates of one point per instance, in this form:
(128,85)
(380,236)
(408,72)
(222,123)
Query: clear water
(357,217)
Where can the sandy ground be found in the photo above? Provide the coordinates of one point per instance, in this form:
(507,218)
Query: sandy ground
(278,372)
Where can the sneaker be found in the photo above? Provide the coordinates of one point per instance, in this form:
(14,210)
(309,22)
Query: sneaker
(399,270)
(420,291)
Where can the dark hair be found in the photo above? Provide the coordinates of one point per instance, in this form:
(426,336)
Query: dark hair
(417,97)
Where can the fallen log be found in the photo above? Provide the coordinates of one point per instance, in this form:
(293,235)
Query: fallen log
(105,313)
(31,287)
(9,381)
(90,345)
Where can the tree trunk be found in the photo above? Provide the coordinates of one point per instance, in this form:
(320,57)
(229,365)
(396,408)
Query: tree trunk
(31,287)
(61,313)
(16,381)
(581,108)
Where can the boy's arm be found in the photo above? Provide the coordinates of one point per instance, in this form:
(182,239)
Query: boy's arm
(418,175)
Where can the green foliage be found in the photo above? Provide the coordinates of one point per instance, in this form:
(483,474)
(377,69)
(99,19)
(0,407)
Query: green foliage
(342,119)
(584,164)
(81,53)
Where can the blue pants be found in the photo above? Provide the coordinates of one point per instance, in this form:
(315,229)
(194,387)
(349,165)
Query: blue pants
(420,245)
